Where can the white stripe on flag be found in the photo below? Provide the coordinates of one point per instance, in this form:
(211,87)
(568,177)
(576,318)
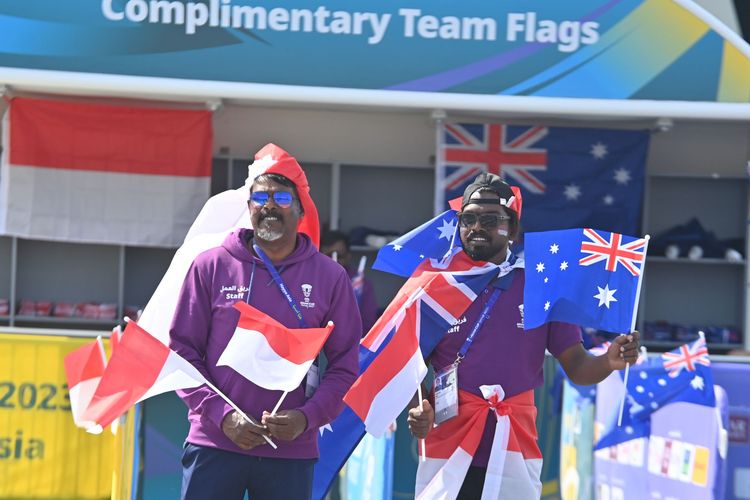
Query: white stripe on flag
(177,373)
(99,207)
(440,478)
(396,394)
(264,367)
(80,397)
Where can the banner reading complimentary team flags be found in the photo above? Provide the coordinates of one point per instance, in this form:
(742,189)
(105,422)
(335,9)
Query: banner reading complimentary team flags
(97,173)
(569,177)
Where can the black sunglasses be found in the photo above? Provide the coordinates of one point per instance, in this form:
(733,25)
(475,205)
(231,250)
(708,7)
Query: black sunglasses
(489,221)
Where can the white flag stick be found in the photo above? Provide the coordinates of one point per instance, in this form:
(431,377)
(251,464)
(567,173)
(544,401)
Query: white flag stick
(101,348)
(632,327)
(422,451)
(335,256)
(276,408)
(362,263)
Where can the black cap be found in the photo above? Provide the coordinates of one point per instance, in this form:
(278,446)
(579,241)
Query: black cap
(489,182)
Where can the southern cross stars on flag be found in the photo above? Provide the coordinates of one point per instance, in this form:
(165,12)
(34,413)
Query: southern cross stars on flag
(574,177)
(582,276)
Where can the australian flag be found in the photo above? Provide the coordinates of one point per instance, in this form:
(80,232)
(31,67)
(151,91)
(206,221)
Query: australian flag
(569,177)
(582,276)
(682,375)
(435,239)
(391,355)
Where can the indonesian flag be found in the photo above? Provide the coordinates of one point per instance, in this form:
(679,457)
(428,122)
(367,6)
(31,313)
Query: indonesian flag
(83,369)
(515,462)
(100,173)
(140,367)
(269,354)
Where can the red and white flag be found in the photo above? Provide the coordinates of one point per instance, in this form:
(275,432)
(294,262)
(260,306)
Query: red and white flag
(84,368)
(281,356)
(140,367)
(99,173)
(515,462)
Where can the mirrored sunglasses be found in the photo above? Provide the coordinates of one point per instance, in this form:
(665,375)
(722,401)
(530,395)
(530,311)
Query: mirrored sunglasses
(485,220)
(283,199)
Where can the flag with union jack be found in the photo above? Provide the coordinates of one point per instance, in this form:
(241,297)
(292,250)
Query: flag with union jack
(682,375)
(391,354)
(569,177)
(583,276)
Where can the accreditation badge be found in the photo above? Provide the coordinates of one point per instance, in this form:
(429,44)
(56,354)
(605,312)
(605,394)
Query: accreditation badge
(446,394)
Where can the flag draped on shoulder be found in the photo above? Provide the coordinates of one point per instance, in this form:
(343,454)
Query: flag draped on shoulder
(681,375)
(583,276)
(140,367)
(515,462)
(432,240)
(100,173)
(391,354)
(84,368)
(280,357)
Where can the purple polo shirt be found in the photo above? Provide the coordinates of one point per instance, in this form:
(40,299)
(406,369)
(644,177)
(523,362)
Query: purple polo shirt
(205,320)
(502,352)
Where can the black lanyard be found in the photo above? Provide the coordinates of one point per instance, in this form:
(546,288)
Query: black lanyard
(280,283)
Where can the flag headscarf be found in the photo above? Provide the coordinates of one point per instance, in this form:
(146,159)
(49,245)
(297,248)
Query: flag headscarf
(272,159)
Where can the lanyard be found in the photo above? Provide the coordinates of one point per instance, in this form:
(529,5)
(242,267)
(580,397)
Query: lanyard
(280,283)
(482,318)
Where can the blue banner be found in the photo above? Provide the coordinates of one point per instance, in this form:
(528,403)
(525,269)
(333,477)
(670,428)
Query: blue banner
(608,49)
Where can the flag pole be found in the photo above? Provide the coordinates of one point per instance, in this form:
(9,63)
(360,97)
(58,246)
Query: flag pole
(101,348)
(632,327)
(276,408)
(422,451)
(237,409)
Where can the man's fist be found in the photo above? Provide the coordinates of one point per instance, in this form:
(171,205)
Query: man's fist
(286,424)
(246,435)
(420,420)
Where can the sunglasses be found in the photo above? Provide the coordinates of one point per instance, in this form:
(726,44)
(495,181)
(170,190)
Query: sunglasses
(485,220)
(283,199)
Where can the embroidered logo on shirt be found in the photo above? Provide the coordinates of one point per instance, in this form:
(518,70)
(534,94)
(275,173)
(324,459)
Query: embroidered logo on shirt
(233,292)
(457,325)
(520,310)
(306,291)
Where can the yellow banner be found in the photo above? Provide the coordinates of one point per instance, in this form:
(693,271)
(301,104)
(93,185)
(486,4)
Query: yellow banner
(42,453)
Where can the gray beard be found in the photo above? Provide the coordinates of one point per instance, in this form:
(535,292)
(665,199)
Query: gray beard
(268,234)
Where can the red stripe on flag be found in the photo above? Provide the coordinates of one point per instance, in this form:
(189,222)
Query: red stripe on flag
(106,138)
(391,360)
(133,368)
(448,296)
(84,363)
(298,345)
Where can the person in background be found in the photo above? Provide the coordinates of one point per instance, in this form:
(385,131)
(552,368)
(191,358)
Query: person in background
(338,242)
(277,269)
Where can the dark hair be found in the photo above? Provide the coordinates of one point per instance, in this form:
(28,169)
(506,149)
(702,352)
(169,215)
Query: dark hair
(284,181)
(330,237)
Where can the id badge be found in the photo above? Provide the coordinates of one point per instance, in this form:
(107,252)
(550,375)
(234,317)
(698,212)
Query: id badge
(313,380)
(446,394)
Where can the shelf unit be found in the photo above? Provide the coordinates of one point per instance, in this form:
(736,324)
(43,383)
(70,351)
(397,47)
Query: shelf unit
(701,292)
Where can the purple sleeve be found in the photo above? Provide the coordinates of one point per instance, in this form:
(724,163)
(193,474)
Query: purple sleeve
(368,308)
(341,350)
(188,337)
(561,336)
